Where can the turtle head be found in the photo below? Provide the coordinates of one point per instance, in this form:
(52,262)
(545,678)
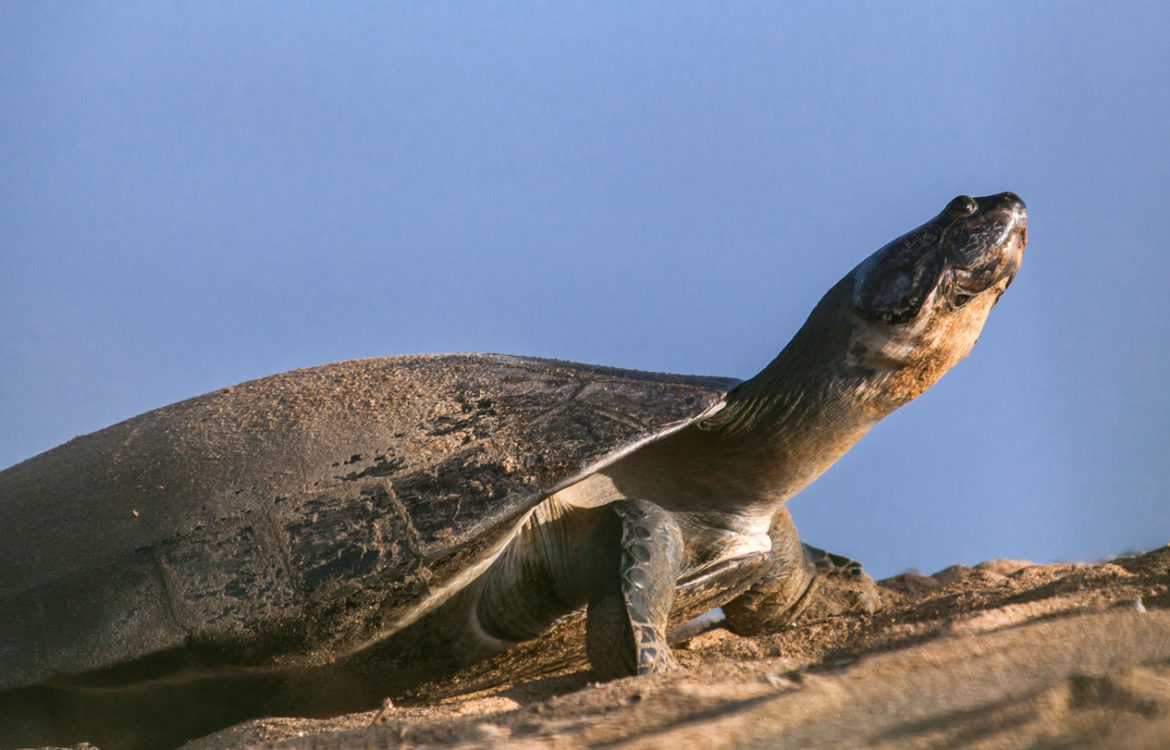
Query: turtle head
(920,302)
(970,249)
(881,336)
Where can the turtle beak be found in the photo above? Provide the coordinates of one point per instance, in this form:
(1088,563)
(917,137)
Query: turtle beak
(1011,251)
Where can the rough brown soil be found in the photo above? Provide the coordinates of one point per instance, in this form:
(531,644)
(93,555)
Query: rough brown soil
(1003,655)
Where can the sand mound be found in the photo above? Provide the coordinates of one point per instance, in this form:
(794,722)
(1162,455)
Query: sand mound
(1001,655)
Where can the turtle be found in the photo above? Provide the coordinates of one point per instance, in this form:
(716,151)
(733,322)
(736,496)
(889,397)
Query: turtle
(313,541)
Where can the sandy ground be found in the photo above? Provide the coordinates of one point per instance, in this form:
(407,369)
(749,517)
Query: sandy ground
(1002,655)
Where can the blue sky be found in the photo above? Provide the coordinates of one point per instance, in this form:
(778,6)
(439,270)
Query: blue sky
(193,195)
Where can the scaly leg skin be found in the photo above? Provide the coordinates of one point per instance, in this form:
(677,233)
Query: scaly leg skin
(631,591)
(800,580)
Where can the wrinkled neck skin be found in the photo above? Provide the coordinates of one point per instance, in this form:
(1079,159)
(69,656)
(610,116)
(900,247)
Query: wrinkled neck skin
(783,428)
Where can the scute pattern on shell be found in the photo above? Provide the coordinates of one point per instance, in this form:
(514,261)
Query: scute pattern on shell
(298,513)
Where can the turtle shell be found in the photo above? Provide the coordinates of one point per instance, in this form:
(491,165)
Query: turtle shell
(302,513)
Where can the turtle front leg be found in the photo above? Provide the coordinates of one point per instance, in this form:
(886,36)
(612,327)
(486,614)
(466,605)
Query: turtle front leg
(800,578)
(637,555)
(621,560)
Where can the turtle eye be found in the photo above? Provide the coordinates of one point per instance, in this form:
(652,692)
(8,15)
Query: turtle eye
(962,206)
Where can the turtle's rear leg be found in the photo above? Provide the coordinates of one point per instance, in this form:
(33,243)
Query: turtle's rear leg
(800,578)
(637,558)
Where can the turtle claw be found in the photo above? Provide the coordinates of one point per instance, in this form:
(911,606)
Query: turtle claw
(654,659)
(841,587)
(827,562)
